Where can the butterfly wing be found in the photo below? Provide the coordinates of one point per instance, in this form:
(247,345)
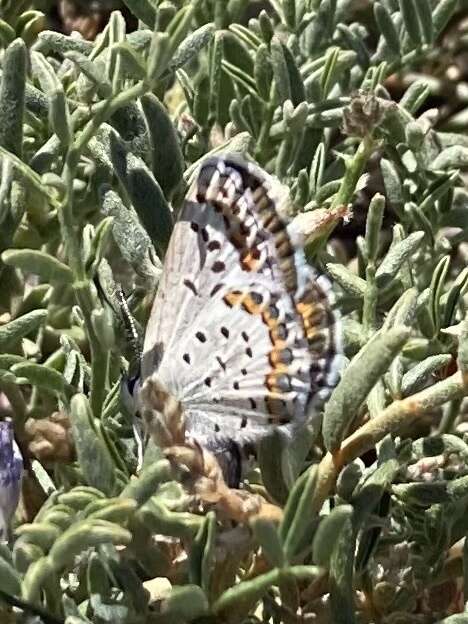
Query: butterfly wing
(241,332)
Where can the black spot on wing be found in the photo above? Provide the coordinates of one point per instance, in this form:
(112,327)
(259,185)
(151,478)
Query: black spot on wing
(218,267)
(200,336)
(191,286)
(213,245)
(216,289)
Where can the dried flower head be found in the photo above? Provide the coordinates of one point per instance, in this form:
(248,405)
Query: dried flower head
(362,116)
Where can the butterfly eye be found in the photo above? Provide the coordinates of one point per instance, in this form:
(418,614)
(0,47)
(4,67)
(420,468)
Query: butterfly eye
(129,387)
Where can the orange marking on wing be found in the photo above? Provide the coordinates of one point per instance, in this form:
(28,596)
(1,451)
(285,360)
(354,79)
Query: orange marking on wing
(278,341)
(278,335)
(250,306)
(311,315)
(276,359)
(233,298)
(273,380)
(270,381)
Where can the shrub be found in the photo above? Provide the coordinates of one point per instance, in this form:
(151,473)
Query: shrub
(98,141)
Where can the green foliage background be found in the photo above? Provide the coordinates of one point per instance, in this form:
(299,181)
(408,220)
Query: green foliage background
(98,142)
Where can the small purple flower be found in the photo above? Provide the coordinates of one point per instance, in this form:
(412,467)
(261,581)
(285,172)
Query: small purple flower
(11,469)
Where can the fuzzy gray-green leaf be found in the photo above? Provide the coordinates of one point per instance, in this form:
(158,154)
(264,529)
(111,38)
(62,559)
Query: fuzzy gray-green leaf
(12,96)
(263,72)
(341,572)
(415,96)
(93,455)
(454,295)
(296,520)
(349,282)
(280,70)
(94,72)
(145,193)
(38,262)
(267,536)
(11,579)
(416,378)
(387,28)
(143,10)
(411,21)
(51,41)
(130,236)
(357,381)
(326,535)
(148,481)
(83,535)
(59,116)
(436,289)
(398,254)
(166,155)
(423,9)
(41,376)
(442,14)
(191,46)
(216,72)
(373,225)
(403,311)
(21,326)
(187,601)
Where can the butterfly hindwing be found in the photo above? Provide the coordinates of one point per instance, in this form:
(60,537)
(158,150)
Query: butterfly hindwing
(241,330)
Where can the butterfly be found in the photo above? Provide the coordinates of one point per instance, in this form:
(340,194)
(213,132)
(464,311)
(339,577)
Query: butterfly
(242,335)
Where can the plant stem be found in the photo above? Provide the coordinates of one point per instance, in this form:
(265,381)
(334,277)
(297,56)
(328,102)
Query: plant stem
(354,169)
(366,437)
(99,357)
(82,287)
(264,134)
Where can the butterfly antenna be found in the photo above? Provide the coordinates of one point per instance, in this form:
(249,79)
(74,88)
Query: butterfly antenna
(132,380)
(131,331)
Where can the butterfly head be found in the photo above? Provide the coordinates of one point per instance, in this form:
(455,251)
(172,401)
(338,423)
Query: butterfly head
(129,388)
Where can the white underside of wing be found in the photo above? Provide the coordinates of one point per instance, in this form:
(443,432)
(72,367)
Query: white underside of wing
(215,357)
(223,374)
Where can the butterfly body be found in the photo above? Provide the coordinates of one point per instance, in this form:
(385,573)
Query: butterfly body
(242,334)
